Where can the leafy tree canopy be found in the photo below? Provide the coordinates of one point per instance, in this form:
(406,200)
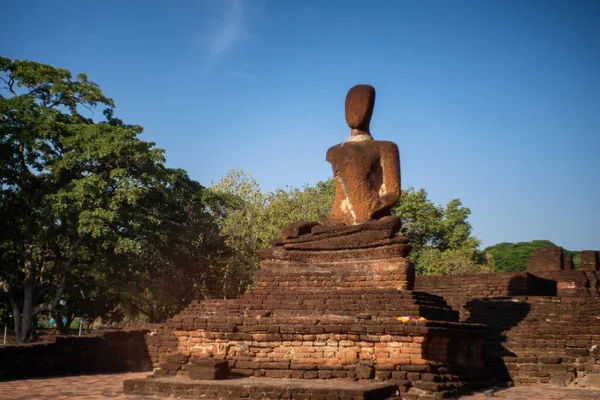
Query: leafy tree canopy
(253,217)
(69,187)
(441,236)
(510,257)
(180,259)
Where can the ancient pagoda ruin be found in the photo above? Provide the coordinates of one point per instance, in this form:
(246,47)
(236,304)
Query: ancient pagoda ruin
(333,310)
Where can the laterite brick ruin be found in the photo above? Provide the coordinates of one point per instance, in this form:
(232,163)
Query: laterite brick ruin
(328,297)
(322,321)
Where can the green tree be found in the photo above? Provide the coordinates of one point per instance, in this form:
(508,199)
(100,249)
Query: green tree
(510,257)
(179,258)
(252,218)
(311,203)
(243,229)
(69,186)
(440,236)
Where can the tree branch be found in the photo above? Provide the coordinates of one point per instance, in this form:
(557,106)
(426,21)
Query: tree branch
(37,89)
(10,84)
(139,309)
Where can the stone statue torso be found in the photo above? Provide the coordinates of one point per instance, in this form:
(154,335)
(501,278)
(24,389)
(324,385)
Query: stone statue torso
(365,171)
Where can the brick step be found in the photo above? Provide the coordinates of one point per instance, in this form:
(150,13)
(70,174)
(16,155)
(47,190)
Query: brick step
(464,379)
(338,293)
(242,328)
(346,308)
(393,311)
(259,388)
(311,308)
(274,302)
(294,325)
(354,312)
(424,382)
(352,302)
(291,295)
(579,351)
(341,305)
(373,300)
(295,295)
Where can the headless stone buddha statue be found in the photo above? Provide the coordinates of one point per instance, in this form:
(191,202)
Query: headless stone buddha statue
(367,185)
(366,171)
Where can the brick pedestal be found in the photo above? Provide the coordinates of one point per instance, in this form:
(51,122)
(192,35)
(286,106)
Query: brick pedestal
(319,313)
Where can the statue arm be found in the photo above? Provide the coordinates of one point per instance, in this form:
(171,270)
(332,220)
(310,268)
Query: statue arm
(336,215)
(390,165)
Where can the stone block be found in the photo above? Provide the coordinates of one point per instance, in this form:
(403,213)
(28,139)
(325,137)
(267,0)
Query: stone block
(577,352)
(546,259)
(207,372)
(567,262)
(177,358)
(561,379)
(589,380)
(588,260)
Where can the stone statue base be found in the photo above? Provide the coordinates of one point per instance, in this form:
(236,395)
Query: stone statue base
(329,302)
(345,245)
(397,273)
(344,256)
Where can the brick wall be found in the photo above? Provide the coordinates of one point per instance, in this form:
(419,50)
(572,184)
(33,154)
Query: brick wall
(329,333)
(415,355)
(458,290)
(548,259)
(111,351)
(541,339)
(542,327)
(589,260)
(534,338)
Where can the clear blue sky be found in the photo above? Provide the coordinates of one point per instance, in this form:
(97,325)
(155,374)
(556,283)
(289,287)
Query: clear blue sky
(494,102)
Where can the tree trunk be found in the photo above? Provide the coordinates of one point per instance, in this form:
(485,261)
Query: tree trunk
(26,322)
(25,325)
(16,315)
(22,316)
(25,312)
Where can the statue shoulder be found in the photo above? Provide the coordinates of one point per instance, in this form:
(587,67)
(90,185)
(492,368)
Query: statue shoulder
(388,146)
(331,151)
